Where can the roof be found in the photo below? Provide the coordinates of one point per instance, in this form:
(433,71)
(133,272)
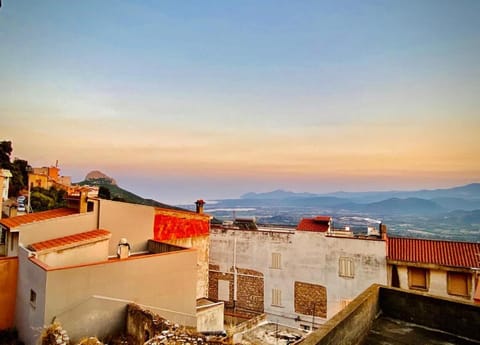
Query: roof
(14,222)
(445,253)
(71,240)
(317,224)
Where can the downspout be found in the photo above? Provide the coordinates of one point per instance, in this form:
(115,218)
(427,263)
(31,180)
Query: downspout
(235,272)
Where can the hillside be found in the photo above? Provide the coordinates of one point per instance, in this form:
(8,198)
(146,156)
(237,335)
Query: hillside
(96,178)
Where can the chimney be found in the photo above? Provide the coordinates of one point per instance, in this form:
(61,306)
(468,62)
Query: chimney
(383,231)
(199,204)
(82,203)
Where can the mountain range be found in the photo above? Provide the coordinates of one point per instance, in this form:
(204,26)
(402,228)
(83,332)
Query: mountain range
(433,201)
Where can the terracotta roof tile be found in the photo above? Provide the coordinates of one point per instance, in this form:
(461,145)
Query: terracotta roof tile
(71,240)
(317,224)
(445,253)
(14,222)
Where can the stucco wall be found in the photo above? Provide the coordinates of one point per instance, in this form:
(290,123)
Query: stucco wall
(190,230)
(210,318)
(8,291)
(165,282)
(306,257)
(57,227)
(437,280)
(84,254)
(30,318)
(130,221)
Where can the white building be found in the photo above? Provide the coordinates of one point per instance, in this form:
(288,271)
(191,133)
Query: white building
(299,277)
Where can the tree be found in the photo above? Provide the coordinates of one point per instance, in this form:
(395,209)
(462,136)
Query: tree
(5,152)
(104,193)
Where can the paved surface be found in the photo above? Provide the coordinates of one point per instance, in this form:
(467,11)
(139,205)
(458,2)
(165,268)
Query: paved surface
(386,331)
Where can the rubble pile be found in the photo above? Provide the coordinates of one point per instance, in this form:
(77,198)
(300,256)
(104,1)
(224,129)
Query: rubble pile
(54,335)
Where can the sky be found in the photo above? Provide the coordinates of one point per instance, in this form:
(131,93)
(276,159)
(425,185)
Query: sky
(181,100)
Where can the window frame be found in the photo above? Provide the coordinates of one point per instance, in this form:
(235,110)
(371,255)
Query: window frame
(468,282)
(346,267)
(426,274)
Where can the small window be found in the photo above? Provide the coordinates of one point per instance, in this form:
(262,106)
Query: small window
(458,283)
(345,267)
(33,298)
(223,290)
(418,278)
(277,297)
(276,260)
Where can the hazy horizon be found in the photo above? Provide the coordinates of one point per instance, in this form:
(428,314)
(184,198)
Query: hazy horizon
(186,100)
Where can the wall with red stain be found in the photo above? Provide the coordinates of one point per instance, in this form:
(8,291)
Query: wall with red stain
(190,230)
(171,227)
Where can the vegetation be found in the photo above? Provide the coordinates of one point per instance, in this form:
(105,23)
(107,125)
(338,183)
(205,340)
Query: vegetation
(18,168)
(46,199)
(109,190)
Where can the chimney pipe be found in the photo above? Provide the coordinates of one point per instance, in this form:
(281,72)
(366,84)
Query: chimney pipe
(199,206)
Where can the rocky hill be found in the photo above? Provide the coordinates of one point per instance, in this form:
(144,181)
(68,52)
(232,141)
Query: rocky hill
(97,178)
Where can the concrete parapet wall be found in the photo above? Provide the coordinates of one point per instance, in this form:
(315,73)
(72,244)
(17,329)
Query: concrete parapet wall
(448,315)
(350,325)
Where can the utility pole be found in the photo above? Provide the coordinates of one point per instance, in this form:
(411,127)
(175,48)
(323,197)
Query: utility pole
(313,316)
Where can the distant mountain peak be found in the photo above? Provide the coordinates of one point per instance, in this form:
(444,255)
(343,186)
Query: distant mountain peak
(97,175)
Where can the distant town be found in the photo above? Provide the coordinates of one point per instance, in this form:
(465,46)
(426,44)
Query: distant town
(91,263)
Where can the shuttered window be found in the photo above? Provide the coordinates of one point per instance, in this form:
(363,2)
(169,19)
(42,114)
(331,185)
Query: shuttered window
(345,267)
(276,297)
(458,283)
(418,278)
(276,260)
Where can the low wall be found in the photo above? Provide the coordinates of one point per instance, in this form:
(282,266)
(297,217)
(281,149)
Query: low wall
(351,324)
(210,318)
(445,314)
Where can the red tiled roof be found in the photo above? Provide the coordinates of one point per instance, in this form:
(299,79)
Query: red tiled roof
(317,224)
(445,253)
(71,241)
(13,222)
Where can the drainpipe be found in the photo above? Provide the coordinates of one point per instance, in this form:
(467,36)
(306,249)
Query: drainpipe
(235,272)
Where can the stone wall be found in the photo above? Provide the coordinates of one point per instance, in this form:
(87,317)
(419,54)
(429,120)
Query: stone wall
(250,288)
(310,299)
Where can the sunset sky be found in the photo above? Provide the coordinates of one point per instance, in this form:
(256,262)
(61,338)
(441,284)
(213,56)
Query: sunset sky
(180,100)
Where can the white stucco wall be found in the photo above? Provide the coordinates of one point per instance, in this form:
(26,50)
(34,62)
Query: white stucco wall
(437,280)
(80,255)
(305,257)
(125,220)
(87,299)
(29,319)
(56,227)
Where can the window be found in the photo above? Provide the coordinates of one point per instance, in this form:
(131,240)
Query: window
(33,298)
(458,283)
(345,267)
(276,260)
(277,297)
(224,290)
(418,278)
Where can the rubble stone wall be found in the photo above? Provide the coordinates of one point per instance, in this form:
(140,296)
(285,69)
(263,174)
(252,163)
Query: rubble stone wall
(310,299)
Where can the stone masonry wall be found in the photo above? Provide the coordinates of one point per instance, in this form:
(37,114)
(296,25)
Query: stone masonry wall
(250,288)
(310,297)
(250,293)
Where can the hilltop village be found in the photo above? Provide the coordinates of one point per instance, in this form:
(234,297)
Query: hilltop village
(104,271)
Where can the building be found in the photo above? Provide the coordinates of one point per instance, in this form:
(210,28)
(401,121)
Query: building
(47,177)
(442,268)
(74,280)
(5,176)
(299,277)
(184,233)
